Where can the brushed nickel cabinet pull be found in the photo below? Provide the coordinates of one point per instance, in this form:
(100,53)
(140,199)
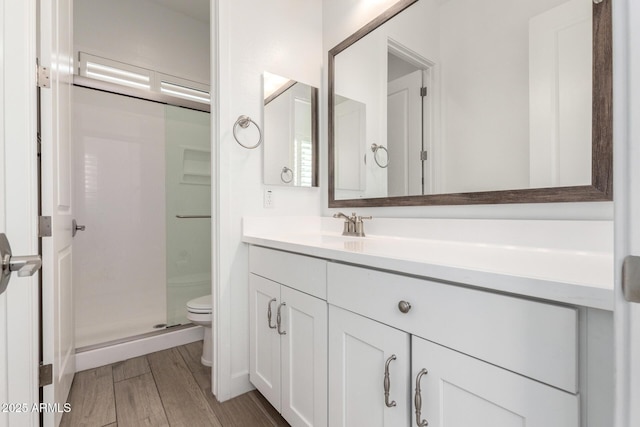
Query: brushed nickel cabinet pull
(418,400)
(279,319)
(404,307)
(387,383)
(269,314)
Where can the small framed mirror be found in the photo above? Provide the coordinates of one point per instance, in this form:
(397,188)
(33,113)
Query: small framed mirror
(290,132)
(450,102)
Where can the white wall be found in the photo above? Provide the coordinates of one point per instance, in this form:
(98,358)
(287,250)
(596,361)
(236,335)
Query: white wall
(143,33)
(283,37)
(485,93)
(341,19)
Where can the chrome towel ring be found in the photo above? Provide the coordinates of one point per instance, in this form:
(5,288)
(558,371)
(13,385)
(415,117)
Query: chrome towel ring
(375,148)
(243,122)
(286,173)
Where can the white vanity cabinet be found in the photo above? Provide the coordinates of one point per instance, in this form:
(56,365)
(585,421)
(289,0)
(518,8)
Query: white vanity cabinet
(489,359)
(288,335)
(465,391)
(369,365)
(358,346)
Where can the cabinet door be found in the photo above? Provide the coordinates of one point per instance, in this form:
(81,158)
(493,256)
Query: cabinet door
(304,359)
(464,391)
(264,347)
(359,349)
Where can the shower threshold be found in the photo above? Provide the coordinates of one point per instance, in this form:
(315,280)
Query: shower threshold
(162,331)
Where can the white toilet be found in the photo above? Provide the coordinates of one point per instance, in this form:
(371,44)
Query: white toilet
(199,313)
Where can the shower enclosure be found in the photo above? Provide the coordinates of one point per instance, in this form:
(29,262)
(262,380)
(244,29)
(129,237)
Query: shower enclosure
(143,191)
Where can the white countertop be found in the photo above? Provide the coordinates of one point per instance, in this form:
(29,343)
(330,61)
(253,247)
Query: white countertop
(567,275)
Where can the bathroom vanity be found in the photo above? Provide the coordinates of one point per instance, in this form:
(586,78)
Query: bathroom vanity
(398,331)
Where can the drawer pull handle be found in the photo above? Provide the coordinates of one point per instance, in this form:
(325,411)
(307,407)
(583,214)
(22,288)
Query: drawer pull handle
(269,315)
(418,400)
(404,306)
(279,319)
(387,383)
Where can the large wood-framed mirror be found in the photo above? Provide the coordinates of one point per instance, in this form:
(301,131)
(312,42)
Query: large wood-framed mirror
(451,102)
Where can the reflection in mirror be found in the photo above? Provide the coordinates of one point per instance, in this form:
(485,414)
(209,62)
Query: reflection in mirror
(460,96)
(290,132)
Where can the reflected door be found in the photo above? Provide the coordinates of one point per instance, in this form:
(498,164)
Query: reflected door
(404,135)
(350,134)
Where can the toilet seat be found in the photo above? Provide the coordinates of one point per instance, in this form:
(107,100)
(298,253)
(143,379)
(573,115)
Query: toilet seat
(200,305)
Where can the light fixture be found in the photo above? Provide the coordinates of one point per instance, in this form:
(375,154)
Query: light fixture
(185,92)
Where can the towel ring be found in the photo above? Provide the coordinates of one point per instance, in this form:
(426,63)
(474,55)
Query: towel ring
(286,171)
(375,148)
(243,122)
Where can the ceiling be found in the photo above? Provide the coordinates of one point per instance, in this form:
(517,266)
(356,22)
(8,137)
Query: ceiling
(197,9)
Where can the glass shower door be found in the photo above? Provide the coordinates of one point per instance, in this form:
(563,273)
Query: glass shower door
(188,209)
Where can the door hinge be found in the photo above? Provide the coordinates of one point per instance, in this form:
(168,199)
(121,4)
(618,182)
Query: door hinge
(45,375)
(423,91)
(631,278)
(423,155)
(43,77)
(44,226)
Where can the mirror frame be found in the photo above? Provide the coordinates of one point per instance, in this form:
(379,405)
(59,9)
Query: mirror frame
(601,188)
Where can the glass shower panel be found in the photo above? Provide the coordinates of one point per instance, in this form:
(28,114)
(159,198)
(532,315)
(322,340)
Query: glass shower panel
(188,209)
(119,261)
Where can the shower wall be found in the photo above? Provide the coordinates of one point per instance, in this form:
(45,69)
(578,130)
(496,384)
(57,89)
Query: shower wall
(139,165)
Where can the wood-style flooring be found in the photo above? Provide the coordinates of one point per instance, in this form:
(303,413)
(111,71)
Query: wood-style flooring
(167,388)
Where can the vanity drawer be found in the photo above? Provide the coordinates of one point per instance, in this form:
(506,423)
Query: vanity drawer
(535,339)
(306,274)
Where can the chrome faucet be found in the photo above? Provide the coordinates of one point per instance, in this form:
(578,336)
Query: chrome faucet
(353,225)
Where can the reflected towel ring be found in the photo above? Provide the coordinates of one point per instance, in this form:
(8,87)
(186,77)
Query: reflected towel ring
(375,148)
(243,122)
(286,170)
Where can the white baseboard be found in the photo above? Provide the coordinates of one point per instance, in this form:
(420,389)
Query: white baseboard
(240,384)
(118,352)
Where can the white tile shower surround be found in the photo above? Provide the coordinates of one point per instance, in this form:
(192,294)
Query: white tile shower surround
(564,261)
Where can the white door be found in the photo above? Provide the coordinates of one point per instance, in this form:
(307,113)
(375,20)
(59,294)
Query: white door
(350,141)
(18,212)
(304,359)
(404,135)
(264,345)
(56,53)
(361,353)
(560,95)
(626,16)
(465,391)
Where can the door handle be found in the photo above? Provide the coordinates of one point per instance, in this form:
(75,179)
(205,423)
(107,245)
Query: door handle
(279,319)
(418,400)
(269,314)
(24,265)
(387,383)
(75,228)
